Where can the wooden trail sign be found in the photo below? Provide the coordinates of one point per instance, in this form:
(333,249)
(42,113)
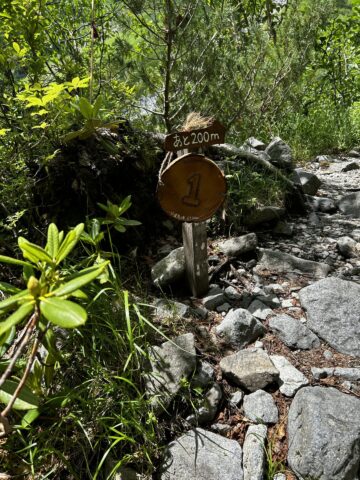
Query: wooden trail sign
(191,189)
(195,139)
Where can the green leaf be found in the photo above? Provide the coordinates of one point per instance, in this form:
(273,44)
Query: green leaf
(63,313)
(13,300)
(33,252)
(85,108)
(26,399)
(52,245)
(69,243)
(129,223)
(6,340)
(97,105)
(82,279)
(8,288)
(14,261)
(16,47)
(30,417)
(16,317)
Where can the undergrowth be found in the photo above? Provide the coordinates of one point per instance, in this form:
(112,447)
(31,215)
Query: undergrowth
(95,418)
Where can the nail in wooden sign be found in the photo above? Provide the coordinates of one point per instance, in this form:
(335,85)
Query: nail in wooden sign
(191,188)
(194,139)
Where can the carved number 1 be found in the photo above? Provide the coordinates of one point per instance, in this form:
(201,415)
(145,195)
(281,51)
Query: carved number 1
(192,198)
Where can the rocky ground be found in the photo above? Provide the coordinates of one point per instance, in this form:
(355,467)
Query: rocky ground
(264,382)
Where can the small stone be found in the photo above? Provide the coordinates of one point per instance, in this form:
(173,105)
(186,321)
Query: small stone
(214,298)
(169,309)
(254,452)
(287,303)
(350,204)
(348,247)
(314,220)
(284,229)
(236,398)
(310,183)
(204,374)
(328,355)
(321,204)
(351,374)
(274,288)
(239,245)
(291,379)
(263,215)
(239,328)
(207,412)
(260,407)
(225,307)
(259,310)
(251,369)
(258,344)
(280,153)
(351,166)
(255,143)
(269,299)
(232,293)
(280,476)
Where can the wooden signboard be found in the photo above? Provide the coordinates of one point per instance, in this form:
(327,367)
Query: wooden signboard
(195,139)
(192,188)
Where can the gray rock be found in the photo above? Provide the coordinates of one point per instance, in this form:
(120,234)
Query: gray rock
(310,183)
(280,153)
(225,307)
(214,298)
(200,455)
(232,293)
(333,311)
(259,310)
(280,476)
(321,204)
(170,363)
(324,434)
(126,473)
(352,374)
(169,269)
(254,452)
(239,328)
(251,369)
(280,262)
(238,245)
(350,204)
(355,234)
(204,375)
(291,379)
(236,398)
(351,166)
(293,333)
(260,407)
(284,229)
(210,405)
(328,355)
(348,247)
(263,215)
(314,220)
(255,143)
(169,309)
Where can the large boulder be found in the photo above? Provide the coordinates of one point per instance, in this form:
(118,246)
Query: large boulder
(324,435)
(239,328)
(199,454)
(333,311)
(251,369)
(293,333)
(169,269)
(280,262)
(350,204)
(280,153)
(171,362)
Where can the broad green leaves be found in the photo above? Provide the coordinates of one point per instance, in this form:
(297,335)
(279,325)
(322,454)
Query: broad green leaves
(25,401)
(63,313)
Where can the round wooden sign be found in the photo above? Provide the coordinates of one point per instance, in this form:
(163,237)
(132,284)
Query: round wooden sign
(191,188)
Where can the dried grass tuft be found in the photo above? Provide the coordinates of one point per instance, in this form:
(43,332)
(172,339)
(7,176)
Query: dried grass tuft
(195,121)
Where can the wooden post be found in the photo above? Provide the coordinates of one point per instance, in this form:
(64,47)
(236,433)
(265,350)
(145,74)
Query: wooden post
(195,250)
(196,260)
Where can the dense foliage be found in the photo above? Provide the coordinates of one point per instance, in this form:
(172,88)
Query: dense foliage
(79,77)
